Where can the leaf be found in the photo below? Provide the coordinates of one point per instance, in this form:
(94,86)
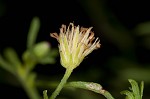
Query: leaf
(136,92)
(142,88)
(135,88)
(45,94)
(128,93)
(5,65)
(97,88)
(33,31)
(12,57)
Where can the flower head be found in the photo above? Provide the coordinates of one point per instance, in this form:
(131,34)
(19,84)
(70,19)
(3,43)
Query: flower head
(74,44)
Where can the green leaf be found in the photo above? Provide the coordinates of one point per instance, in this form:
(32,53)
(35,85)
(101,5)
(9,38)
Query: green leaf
(136,92)
(135,89)
(33,31)
(5,65)
(142,88)
(97,88)
(128,93)
(12,57)
(87,85)
(45,94)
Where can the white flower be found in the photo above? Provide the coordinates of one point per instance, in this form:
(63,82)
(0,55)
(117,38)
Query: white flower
(74,44)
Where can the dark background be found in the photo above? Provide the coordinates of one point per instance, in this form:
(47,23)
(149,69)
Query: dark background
(114,22)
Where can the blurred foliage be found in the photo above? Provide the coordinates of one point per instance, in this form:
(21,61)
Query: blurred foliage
(36,53)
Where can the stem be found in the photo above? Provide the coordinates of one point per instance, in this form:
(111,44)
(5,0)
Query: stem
(29,89)
(62,83)
(27,81)
(31,92)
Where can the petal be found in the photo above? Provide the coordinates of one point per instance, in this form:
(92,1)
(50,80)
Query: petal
(55,35)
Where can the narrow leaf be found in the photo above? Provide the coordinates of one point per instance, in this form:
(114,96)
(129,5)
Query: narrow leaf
(97,88)
(12,57)
(33,31)
(142,88)
(45,94)
(128,94)
(135,89)
(5,65)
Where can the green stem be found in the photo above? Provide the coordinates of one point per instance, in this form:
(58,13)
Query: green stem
(27,81)
(62,83)
(29,89)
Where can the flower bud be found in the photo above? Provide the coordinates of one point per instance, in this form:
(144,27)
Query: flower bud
(41,49)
